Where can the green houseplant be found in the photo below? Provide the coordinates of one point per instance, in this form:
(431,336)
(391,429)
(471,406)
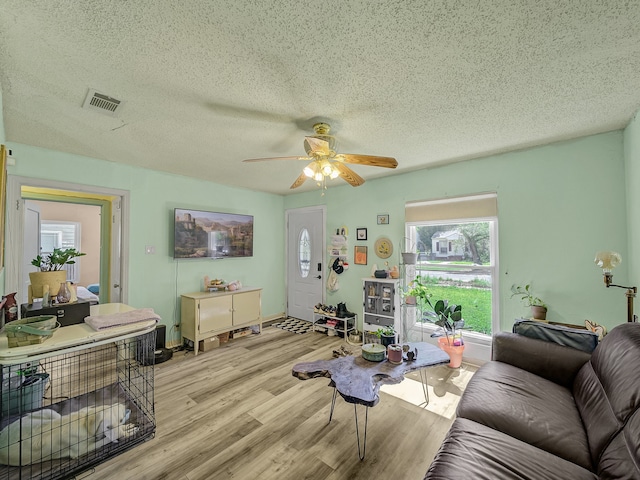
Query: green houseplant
(387,335)
(417,294)
(55,260)
(50,272)
(538,307)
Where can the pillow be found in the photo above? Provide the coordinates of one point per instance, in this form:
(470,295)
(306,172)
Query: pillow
(94,288)
(577,338)
(597,329)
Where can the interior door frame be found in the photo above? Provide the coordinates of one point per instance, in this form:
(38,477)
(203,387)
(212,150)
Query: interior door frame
(323,210)
(15,219)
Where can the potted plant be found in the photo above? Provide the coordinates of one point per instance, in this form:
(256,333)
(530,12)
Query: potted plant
(449,319)
(417,294)
(409,257)
(387,335)
(538,307)
(50,270)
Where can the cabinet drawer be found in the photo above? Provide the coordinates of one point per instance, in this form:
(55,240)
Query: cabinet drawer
(378,320)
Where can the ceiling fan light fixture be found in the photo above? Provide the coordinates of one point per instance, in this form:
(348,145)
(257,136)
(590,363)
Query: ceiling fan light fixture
(311,169)
(326,163)
(327,168)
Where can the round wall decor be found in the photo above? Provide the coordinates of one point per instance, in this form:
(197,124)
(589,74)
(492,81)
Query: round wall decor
(383,247)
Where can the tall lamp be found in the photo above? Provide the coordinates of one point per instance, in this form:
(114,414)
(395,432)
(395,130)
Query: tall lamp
(607,261)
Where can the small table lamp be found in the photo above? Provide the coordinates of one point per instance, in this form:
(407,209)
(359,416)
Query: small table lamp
(607,261)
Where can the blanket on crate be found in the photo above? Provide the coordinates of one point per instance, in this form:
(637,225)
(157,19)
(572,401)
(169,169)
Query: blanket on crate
(101,322)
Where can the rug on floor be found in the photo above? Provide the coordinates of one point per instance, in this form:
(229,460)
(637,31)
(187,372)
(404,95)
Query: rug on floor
(294,325)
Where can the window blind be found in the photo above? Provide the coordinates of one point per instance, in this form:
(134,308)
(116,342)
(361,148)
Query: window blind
(472,206)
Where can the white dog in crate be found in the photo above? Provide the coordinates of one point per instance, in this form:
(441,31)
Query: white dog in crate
(45,434)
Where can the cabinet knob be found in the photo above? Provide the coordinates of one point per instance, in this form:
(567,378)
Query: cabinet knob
(319,277)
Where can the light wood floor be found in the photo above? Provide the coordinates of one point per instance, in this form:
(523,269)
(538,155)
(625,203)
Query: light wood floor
(237,412)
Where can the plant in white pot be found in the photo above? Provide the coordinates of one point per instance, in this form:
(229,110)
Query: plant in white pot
(50,270)
(538,307)
(409,256)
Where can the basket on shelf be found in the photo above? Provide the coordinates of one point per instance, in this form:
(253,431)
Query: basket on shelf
(31,330)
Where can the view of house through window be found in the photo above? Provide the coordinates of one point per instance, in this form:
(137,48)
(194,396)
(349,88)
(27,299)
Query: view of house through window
(456,261)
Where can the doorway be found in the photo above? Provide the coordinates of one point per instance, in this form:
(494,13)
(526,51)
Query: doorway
(305,260)
(113,239)
(53,224)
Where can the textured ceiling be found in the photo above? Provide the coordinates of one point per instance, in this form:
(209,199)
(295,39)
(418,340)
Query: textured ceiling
(208,83)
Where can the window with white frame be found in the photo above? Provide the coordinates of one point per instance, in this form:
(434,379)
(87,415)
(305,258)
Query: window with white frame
(57,234)
(457,243)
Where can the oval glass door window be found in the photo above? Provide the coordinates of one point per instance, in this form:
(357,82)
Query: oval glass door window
(304,253)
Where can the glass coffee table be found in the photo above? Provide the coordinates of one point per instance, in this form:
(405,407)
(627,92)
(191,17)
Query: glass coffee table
(358,381)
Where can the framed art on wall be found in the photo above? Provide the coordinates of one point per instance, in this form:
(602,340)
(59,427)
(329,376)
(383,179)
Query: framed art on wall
(383,219)
(361,233)
(360,255)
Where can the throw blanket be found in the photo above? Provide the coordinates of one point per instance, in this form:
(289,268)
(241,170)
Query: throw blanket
(101,322)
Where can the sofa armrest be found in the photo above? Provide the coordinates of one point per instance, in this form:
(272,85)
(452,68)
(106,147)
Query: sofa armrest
(554,362)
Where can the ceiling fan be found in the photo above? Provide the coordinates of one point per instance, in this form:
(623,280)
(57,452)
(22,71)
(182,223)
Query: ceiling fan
(326,163)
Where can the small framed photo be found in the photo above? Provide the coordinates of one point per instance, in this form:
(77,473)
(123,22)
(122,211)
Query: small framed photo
(383,219)
(360,255)
(361,233)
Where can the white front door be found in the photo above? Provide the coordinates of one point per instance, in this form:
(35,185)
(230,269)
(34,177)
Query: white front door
(305,261)
(31,246)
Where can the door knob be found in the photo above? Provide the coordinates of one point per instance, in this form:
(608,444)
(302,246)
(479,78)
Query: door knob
(115,285)
(319,277)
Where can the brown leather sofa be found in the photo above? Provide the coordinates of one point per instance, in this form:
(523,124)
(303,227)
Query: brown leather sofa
(539,410)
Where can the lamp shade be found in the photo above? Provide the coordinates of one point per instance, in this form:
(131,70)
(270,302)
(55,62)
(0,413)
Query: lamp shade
(607,260)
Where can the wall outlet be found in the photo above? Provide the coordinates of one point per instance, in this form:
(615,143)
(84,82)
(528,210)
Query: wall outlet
(150,249)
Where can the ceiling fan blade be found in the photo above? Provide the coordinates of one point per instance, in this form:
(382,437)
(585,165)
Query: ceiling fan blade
(276,158)
(349,175)
(316,145)
(299,181)
(371,160)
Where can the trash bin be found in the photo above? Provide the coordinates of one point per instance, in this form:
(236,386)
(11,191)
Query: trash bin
(21,394)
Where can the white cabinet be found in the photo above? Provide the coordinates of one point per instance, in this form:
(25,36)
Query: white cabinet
(381,305)
(205,314)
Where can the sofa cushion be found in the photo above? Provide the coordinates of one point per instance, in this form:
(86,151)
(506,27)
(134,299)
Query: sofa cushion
(529,408)
(554,362)
(607,393)
(472,450)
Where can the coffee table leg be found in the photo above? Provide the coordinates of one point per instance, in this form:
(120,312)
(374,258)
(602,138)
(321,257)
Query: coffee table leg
(333,402)
(425,385)
(361,451)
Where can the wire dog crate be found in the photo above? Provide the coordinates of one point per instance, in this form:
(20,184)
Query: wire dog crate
(65,411)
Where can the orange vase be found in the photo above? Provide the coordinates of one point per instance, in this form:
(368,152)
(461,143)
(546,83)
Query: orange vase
(454,352)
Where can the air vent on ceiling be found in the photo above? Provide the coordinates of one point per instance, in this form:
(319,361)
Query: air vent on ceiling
(102,103)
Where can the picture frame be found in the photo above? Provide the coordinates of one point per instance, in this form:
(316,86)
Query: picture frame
(360,255)
(383,219)
(361,233)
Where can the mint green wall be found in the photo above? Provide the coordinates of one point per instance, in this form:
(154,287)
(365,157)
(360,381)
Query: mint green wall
(558,204)
(632,169)
(157,280)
